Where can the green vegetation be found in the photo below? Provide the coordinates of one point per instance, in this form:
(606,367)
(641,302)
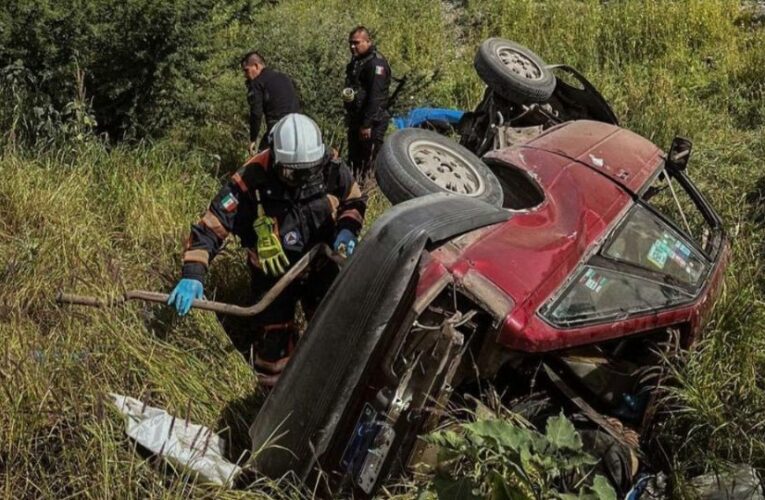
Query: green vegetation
(498,458)
(97,215)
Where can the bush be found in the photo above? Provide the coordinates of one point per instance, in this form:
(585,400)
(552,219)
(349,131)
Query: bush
(138,58)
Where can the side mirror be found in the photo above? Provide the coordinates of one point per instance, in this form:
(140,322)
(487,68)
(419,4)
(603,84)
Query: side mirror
(679,153)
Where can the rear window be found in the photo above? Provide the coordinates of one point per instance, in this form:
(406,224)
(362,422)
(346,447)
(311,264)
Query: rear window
(646,265)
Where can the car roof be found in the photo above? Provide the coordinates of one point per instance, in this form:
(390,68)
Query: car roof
(588,172)
(624,156)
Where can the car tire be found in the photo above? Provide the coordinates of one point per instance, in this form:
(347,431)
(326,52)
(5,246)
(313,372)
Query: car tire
(415,162)
(310,410)
(513,71)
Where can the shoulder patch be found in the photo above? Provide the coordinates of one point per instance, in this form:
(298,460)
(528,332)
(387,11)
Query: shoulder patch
(379,70)
(229,203)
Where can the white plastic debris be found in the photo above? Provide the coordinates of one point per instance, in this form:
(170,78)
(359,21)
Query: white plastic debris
(183,444)
(741,482)
(598,162)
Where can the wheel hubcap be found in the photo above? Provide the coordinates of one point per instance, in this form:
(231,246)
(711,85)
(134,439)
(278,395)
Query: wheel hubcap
(519,64)
(446,168)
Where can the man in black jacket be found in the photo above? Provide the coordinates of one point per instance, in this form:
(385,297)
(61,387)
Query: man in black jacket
(269,93)
(367,79)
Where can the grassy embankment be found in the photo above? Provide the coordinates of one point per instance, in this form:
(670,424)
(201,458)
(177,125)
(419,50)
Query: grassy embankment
(95,220)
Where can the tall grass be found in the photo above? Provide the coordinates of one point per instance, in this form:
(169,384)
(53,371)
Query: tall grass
(97,220)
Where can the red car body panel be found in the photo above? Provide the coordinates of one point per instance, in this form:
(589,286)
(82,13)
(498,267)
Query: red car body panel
(625,157)
(589,173)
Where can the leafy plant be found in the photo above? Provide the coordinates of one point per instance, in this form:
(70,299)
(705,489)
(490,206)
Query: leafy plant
(499,459)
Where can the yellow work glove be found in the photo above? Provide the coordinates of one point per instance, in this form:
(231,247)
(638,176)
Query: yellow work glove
(271,255)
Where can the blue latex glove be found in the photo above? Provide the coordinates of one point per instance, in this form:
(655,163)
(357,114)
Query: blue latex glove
(345,242)
(184,294)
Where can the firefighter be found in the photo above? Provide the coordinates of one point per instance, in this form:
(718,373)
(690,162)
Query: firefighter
(269,93)
(367,80)
(284,201)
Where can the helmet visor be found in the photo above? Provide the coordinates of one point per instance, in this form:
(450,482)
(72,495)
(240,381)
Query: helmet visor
(294,176)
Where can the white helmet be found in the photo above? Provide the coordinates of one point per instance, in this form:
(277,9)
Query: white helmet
(296,142)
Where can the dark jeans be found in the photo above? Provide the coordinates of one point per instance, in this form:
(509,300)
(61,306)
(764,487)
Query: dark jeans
(309,290)
(271,332)
(362,153)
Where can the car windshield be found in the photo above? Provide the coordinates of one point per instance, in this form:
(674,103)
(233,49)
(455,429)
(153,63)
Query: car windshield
(599,294)
(646,241)
(657,257)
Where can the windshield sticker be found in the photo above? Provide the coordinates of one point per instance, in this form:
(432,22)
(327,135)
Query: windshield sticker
(682,249)
(658,254)
(594,281)
(671,248)
(682,254)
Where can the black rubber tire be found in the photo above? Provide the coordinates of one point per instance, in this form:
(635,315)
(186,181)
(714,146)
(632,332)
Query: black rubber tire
(356,321)
(400,179)
(504,82)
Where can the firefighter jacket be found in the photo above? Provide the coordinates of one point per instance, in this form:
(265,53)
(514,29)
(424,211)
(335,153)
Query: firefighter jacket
(369,77)
(304,216)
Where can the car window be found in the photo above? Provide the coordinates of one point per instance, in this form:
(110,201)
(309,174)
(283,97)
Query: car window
(646,241)
(601,294)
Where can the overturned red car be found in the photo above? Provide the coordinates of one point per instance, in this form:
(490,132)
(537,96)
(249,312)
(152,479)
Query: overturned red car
(602,250)
(563,265)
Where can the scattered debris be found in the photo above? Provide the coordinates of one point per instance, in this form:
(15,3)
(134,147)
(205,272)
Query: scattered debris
(182,444)
(739,483)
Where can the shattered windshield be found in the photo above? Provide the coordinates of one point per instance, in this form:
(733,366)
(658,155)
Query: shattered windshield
(652,266)
(647,242)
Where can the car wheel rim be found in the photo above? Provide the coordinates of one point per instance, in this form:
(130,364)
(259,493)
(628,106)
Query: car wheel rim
(446,168)
(519,64)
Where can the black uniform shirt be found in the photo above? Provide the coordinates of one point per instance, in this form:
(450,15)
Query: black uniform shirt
(271,94)
(369,76)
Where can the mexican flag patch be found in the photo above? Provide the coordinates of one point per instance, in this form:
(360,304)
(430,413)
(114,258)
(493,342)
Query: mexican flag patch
(380,70)
(229,203)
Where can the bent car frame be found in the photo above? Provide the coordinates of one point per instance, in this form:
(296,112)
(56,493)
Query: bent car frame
(602,249)
(564,264)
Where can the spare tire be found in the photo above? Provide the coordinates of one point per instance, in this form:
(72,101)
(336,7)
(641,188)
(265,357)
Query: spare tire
(513,71)
(415,162)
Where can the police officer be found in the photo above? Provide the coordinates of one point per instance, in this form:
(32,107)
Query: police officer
(269,93)
(367,79)
(281,203)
